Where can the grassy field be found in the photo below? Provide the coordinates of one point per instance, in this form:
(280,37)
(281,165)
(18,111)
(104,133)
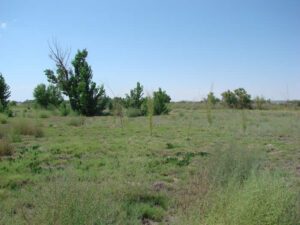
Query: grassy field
(241,168)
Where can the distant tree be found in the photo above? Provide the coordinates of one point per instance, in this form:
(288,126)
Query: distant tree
(135,98)
(84,95)
(230,99)
(259,102)
(239,98)
(4,93)
(160,100)
(46,96)
(212,99)
(243,98)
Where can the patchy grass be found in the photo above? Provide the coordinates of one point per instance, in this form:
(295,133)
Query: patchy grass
(123,175)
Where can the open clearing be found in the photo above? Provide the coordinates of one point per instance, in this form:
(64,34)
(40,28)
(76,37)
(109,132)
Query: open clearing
(97,170)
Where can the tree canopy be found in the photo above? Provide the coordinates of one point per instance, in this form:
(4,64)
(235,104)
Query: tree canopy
(85,96)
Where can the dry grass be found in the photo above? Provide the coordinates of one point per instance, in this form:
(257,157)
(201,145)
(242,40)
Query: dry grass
(6,149)
(26,127)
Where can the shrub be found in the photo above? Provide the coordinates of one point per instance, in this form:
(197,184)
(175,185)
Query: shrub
(6,149)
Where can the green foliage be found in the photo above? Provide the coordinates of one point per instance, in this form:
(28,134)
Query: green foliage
(243,98)
(84,95)
(239,98)
(212,99)
(4,93)
(230,99)
(135,98)
(64,109)
(46,96)
(160,101)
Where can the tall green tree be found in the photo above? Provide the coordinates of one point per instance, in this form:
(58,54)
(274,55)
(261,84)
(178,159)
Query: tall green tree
(238,98)
(4,93)
(230,99)
(243,98)
(46,96)
(135,98)
(160,101)
(85,96)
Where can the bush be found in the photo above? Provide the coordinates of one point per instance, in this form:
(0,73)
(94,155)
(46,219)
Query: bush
(6,149)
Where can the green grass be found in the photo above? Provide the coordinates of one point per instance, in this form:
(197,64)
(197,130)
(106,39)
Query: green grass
(94,171)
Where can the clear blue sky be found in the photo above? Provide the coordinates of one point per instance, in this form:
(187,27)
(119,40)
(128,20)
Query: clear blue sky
(184,46)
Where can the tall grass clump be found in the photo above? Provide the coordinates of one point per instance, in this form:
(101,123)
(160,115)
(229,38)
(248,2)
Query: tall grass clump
(118,111)
(27,127)
(244,120)
(150,112)
(67,201)
(234,188)
(76,121)
(264,199)
(6,149)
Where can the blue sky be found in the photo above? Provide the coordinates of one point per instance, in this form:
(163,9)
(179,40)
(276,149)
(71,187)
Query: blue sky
(187,47)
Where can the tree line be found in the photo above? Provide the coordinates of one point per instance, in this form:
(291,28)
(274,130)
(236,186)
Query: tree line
(87,98)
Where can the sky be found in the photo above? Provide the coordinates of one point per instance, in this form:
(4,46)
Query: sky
(186,47)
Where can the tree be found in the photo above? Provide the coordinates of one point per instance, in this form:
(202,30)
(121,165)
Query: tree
(243,98)
(84,95)
(4,93)
(212,99)
(135,98)
(230,99)
(239,98)
(160,100)
(46,96)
